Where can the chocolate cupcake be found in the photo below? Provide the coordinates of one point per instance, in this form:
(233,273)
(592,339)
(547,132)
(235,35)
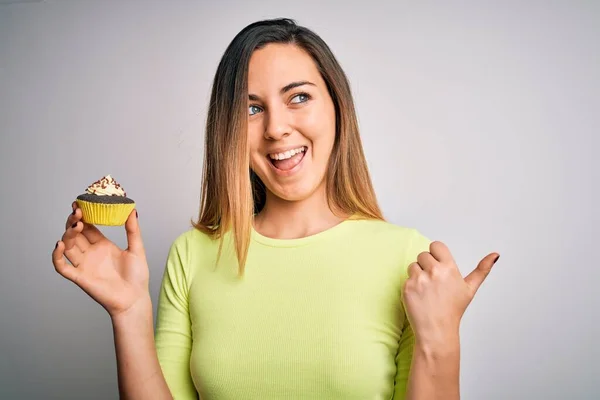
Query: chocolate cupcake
(105,202)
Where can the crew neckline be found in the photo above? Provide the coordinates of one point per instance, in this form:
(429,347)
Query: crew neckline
(274,242)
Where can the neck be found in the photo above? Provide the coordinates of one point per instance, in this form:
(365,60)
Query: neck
(282,219)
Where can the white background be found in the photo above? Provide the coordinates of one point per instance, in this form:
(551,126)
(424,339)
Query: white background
(477,118)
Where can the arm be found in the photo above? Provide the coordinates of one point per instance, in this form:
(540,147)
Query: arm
(139,373)
(435,297)
(118,280)
(157,365)
(173,336)
(434,371)
(425,372)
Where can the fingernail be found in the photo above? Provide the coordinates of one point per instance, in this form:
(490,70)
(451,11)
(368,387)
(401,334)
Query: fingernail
(136,214)
(56,245)
(74,225)
(497,258)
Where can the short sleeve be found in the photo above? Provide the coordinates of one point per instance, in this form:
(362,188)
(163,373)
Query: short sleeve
(417,244)
(173,336)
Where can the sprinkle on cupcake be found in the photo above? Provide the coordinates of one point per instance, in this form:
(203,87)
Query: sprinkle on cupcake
(107,186)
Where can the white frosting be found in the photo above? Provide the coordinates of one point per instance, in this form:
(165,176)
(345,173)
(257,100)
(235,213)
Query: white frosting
(106,186)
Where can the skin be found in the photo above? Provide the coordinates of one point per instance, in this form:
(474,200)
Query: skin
(302,116)
(435,294)
(435,297)
(118,280)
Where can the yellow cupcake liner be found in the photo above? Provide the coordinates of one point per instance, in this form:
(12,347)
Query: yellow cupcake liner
(105,214)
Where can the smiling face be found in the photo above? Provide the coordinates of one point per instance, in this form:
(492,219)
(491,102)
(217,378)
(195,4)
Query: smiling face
(291,121)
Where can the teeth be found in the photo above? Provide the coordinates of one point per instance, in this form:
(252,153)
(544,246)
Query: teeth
(287,154)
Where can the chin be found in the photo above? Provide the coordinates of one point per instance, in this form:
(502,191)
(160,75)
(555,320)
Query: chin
(291,191)
(294,192)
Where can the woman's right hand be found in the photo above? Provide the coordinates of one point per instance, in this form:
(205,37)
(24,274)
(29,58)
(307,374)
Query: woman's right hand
(117,279)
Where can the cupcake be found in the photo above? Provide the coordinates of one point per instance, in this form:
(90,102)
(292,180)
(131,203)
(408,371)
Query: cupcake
(105,203)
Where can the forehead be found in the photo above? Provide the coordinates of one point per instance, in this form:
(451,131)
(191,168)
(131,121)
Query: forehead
(276,65)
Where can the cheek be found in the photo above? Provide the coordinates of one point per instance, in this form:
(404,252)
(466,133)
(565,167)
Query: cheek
(319,124)
(254,137)
(255,140)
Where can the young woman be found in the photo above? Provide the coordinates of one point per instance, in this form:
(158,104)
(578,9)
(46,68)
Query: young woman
(290,284)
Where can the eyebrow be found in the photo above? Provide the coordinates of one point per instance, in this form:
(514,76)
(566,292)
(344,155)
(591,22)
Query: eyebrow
(284,89)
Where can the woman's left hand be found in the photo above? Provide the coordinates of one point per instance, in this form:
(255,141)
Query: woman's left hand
(436,295)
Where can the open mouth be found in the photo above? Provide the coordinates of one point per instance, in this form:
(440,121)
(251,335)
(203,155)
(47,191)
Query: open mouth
(288,160)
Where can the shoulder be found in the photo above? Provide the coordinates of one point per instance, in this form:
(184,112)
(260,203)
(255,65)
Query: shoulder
(189,245)
(401,241)
(188,251)
(191,240)
(384,230)
(196,247)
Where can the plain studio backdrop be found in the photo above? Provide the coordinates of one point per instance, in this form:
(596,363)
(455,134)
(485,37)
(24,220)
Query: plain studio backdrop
(478,120)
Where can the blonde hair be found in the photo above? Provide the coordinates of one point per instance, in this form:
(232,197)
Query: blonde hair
(231,192)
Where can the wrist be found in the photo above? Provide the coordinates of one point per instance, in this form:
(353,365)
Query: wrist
(439,344)
(138,313)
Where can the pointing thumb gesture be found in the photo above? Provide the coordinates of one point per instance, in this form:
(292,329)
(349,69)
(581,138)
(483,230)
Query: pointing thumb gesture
(436,295)
(478,275)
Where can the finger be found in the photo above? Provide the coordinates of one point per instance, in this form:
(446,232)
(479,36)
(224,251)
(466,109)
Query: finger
(134,236)
(91,233)
(61,266)
(414,270)
(74,256)
(69,237)
(478,275)
(82,243)
(74,216)
(426,261)
(441,252)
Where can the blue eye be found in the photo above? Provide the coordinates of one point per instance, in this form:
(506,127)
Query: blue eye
(254,110)
(303,97)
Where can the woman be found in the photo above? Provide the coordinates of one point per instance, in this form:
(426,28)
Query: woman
(291,284)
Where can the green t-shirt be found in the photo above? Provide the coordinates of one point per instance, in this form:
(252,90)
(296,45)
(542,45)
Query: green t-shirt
(319,317)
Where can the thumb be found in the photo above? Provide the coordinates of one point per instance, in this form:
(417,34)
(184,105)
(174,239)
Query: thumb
(476,278)
(134,236)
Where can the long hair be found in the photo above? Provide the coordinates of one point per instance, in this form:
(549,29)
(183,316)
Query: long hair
(231,192)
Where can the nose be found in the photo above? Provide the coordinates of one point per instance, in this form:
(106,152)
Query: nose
(277,125)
